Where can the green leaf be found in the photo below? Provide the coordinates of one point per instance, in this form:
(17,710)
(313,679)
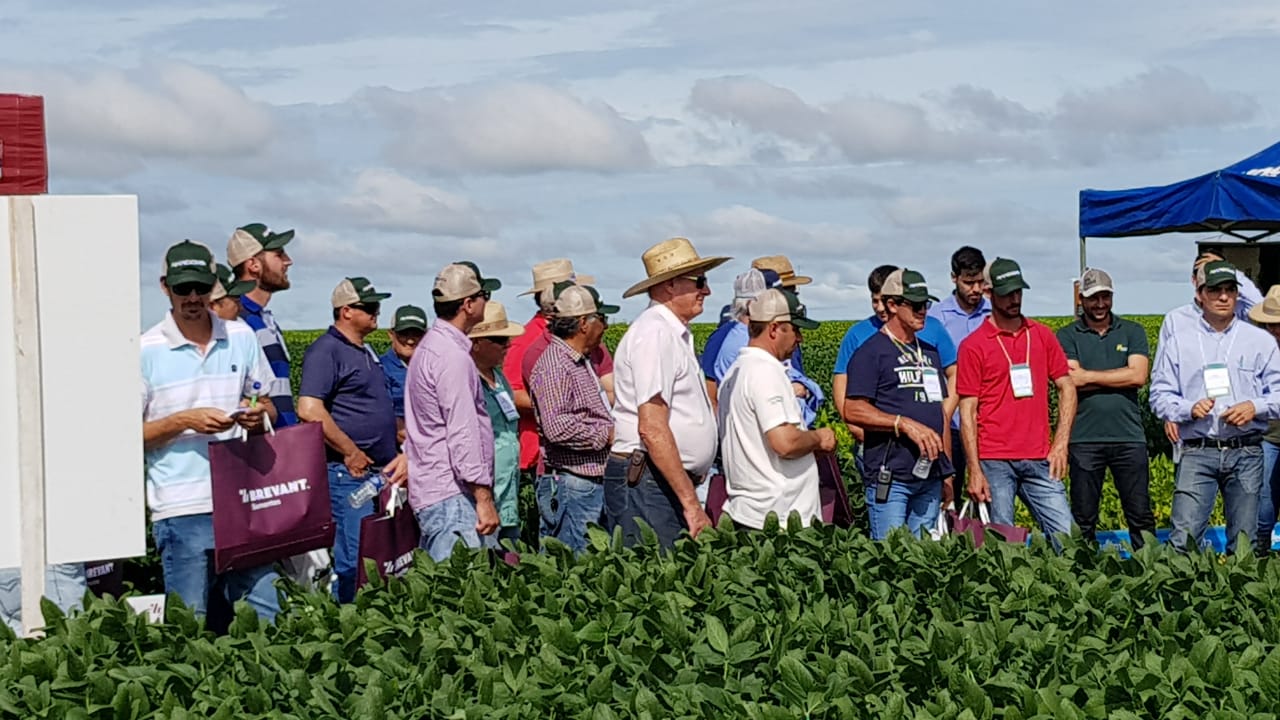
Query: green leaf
(716,635)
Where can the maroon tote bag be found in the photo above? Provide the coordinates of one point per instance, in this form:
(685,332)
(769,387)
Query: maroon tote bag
(835,498)
(963,523)
(389,539)
(270,497)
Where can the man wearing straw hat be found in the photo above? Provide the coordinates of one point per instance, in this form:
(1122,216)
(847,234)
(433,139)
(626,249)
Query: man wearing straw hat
(489,342)
(1266,315)
(449,439)
(574,419)
(791,282)
(665,431)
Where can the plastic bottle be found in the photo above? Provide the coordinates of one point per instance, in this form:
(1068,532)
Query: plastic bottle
(367,490)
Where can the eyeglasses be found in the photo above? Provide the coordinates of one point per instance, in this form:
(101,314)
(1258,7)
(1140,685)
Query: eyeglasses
(371,308)
(699,281)
(185,289)
(604,319)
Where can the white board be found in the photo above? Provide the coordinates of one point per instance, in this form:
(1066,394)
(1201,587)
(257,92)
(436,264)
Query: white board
(10,520)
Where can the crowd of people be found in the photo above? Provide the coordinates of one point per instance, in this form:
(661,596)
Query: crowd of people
(943,397)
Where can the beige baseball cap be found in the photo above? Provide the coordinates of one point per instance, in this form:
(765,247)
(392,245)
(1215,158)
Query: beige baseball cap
(1094,281)
(495,323)
(355,290)
(578,300)
(251,239)
(461,280)
(777,305)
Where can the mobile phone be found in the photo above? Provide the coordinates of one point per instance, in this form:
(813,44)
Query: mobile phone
(884,479)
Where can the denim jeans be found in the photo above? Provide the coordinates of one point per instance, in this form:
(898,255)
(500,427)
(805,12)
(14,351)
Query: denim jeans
(64,584)
(649,500)
(1268,495)
(449,521)
(566,504)
(1201,474)
(1029,480)
(186,556)
(346,520)
(913,503)
(1088,463)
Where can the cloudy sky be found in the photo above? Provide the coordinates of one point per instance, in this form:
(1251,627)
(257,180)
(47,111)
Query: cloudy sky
(397,136)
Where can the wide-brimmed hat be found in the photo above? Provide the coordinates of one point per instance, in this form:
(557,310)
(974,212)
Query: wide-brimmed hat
(781,265)
(228,286)
(547,274)
(670,259)
(495,323)
(1267,311)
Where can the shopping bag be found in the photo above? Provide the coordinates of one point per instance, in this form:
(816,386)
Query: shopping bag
(270,497)
(105,577)
(388,537)
(978,527)
(717,496)
(831,489)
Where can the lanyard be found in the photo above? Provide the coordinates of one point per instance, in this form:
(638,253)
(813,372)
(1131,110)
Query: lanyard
(1006,352)
(1226,358)
(916,351)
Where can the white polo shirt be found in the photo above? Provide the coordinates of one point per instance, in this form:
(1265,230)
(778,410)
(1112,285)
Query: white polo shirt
(656,358)
(756,397)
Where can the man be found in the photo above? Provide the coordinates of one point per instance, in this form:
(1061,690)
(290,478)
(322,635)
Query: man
(257,255)
(224,301)
(896,395)
(1005,369)
(64,585)
(664,426)
(526,349)
(344,389)
(1109,360)
(489,342)
(196,370)
(766,450)
(574,420)
(405,334)
(961,312)
(1218,379)
(1266,315)
(449,439)
(789,281)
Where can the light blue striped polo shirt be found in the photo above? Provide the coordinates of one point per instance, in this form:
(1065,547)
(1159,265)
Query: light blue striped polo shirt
(177,376)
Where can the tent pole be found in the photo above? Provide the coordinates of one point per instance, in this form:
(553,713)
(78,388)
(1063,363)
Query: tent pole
(1082,255)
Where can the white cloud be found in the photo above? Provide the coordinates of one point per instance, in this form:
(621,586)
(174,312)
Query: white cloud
(746,232)
(387,200)
(507,128)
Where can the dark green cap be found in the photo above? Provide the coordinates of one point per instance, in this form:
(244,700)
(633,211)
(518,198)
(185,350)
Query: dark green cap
(354,290)
(1215,273)
(410,317)
(228,286)
(908,285)
(251,239)
(189,262)
(1004,276)
(778,305)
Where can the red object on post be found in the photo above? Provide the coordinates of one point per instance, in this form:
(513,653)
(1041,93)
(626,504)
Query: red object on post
(24,158)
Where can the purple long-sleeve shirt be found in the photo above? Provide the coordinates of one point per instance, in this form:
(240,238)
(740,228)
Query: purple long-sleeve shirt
(449,439)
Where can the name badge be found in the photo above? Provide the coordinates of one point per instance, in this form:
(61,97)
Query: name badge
(1217,380)
(932,384)
(508,405)
(1020,378)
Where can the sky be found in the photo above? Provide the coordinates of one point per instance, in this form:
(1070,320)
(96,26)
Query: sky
(398,136)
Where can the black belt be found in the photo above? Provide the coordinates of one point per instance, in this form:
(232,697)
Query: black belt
(1235,443)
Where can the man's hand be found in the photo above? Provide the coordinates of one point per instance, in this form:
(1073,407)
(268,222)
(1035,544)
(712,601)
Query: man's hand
(400,436)
(1079,376)
(1207,258)
(251,418)
(929,442)
(1057,462)
(357,463)
(1171,432)
(1202,408)
(397,471)
(979,489)
(696,518)
(208,421)
(800,390)
(1239,414)
(487,521)
(948,492)
(826,439)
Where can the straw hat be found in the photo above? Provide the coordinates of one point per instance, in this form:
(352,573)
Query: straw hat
(781,265)
(546,274)
(669,259)
(495,323)
(1267,311)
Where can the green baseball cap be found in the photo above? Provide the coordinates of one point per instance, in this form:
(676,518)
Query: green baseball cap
(908,285)
(189,262)
(354,290)
(228,286)
(1215,273)
(778,305)
(410,317)
(1004,276)
(490,284)
(249,240)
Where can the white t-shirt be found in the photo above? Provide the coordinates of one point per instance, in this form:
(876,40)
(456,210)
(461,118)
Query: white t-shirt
(755,397)
(656,357)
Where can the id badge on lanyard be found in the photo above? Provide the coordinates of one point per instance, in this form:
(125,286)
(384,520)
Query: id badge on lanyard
(507,404)
(932,384)
(1020,379)
(1217,380)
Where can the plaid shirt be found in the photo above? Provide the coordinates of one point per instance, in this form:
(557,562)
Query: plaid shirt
(574,420)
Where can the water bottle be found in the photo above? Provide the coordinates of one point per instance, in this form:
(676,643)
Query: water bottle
(367,490)
(922,468)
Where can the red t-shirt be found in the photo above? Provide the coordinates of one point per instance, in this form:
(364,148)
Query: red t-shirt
(1010,428)
(521,357)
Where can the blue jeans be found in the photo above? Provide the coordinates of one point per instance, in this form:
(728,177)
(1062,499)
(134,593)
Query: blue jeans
(346,520)
(649,500)
(913,503)
(1268,495)
(1201,474)
(1029,480)
(449,521)
(566,504)
(64,584)
(186,555)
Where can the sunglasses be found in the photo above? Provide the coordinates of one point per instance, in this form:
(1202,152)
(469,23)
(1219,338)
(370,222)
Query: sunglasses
(604,319)
(185,289)
(918,306)
(699,281)
(503,341)
(482,294)
(372,308)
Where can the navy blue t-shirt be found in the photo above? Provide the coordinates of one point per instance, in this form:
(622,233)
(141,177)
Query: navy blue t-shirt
(350,381)
(890,378)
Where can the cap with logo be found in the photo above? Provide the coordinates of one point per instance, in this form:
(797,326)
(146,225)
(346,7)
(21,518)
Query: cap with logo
(249,240)
(1215,273)
(1004,276)
(778,305)
(546,274)
(1094,281)
(495,323)
(461,280)
(410,317)
(228,286)
(753,282)
(189,262)
(354,290)
(573,300)
(908,285)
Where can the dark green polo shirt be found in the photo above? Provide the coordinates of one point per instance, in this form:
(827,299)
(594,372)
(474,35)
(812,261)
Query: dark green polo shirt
(1106,414)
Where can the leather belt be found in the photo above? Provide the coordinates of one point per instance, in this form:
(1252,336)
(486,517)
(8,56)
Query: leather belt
(1235,443)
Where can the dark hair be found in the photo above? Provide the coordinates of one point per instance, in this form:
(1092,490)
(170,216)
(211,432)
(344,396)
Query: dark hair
(896,299)
(876,279)
(239,270)
(756,328)
(337,313)
(448,310)
(967,260)
(564,327)
(537,299)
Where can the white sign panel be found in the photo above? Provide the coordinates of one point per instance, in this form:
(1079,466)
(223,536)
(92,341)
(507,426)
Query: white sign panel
(10,520)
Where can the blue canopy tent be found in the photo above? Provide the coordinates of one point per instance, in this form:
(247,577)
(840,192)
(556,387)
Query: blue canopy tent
(1240,200)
